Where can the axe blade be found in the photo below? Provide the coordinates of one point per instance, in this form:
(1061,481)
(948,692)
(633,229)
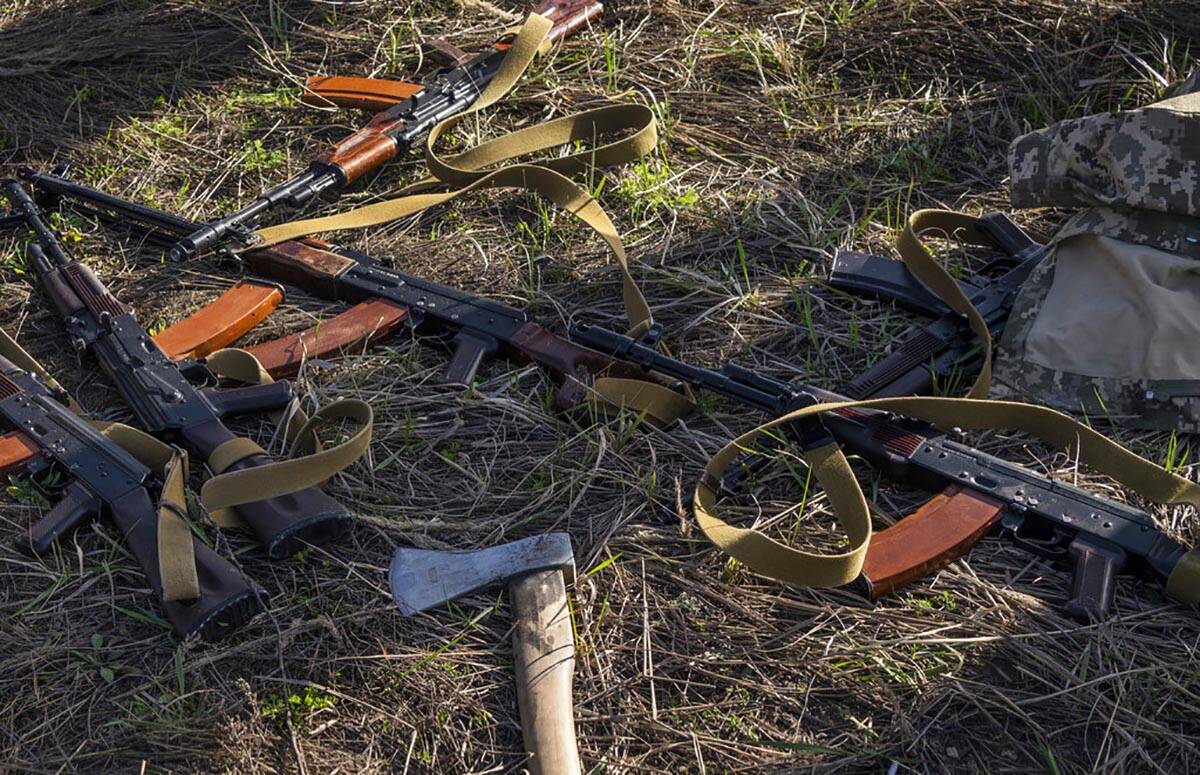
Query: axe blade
(422,579)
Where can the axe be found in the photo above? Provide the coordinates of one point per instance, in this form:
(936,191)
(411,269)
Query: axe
(537,570)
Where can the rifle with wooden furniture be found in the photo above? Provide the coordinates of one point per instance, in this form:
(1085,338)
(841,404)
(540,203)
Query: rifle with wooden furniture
(386,300)
(407,112)
(977,492)
(942,530)
(163,398)
(107,479)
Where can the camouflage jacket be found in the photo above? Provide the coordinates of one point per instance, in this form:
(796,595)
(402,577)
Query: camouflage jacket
(1108,323)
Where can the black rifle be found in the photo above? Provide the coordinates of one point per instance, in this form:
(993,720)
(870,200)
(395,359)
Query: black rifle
(1054,520)
(160,394)
(935,354)
(389,133)
(477,328)
(105,478)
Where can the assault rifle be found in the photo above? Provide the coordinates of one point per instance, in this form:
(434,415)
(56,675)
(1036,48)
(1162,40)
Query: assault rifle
(106,478)
(159,392)
(933,355)
(978,491)
(386,299)
(407,113)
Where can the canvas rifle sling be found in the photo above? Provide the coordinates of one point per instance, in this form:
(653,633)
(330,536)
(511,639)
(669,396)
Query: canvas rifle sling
(929,271)
(308,463)
(484,167)
(176,552)
(774,559)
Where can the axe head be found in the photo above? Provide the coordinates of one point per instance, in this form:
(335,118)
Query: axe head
(422,579)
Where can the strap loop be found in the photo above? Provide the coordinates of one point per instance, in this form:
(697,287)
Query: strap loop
(929,271)
(481,168)
(176,550)
(309,464)
(228,490)
(771,558)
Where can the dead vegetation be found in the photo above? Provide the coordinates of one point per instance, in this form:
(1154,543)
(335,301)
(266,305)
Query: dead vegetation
(789,129)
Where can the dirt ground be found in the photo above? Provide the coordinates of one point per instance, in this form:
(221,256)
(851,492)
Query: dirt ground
(788,130)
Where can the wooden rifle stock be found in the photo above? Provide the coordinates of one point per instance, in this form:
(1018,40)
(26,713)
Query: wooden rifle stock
(943,529)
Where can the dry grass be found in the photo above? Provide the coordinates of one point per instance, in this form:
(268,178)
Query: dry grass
(789,129)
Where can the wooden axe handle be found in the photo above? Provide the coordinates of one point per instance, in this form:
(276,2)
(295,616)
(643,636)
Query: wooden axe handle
(544,655)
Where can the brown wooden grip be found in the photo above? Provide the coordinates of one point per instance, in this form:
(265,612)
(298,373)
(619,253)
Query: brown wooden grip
(305,264)
(373,94)
(932,537)
(221,322)
(364,151)
(16,450)
(354,330)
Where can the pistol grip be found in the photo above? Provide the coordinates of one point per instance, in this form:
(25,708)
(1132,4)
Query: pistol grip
(249,399)
(1097,562)
(76,507)
(470,349)
(932,537)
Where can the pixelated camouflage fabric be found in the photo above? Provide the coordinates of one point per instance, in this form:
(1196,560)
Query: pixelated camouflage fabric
(1138,174)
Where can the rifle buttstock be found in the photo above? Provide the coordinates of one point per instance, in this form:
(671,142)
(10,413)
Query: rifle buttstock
(932,537)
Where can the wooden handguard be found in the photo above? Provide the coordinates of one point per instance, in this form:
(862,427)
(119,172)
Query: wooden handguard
(352,331)
(373,94)
(932,537)
(16,450)
(222,321)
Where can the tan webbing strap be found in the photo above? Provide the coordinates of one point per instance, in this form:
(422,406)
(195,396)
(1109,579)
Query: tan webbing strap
(661,404)
(241,366)
(23,360)
(774,559)
(468,170)
(309,464)
(929,271)
(176,552)
(235,488)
